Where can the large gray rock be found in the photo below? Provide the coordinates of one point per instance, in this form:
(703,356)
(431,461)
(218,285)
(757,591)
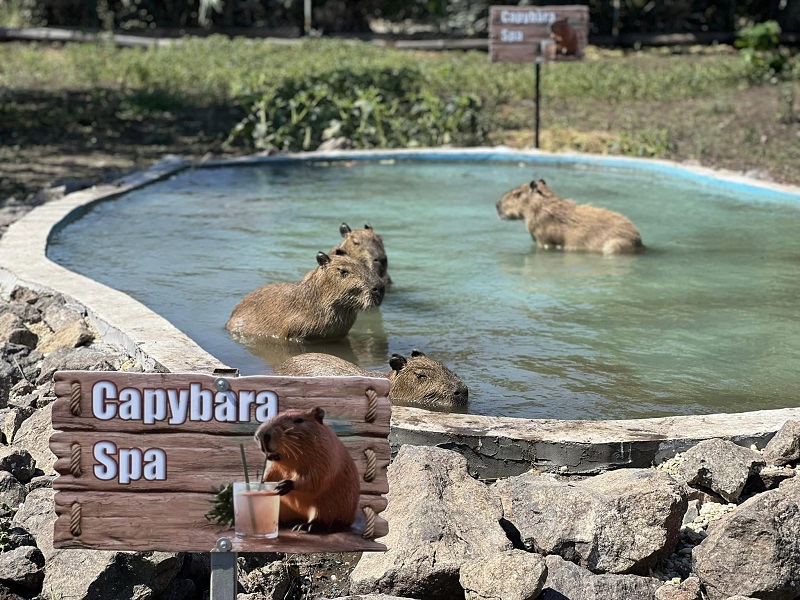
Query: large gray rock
(688,589)
(720,466)
(76,359)
(755,549)
(370,597)
(34,437)
(13,420)
(509,575)
(13,331)
(71,336)
(93,574)
(22,567)
(12,492)
(58,315)
(568,581)
(439,517)
(784,447)
(618,522)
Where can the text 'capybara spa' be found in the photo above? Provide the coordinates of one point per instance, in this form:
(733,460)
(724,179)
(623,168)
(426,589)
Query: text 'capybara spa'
(321,307)
(317,477)
(366,246)
(559,224)
(417,381)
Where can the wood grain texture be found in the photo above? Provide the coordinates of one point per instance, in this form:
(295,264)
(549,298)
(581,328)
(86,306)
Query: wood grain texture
(195,461)
(176,523)
(343,399)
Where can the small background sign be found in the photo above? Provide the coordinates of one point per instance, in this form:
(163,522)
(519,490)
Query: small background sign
(538,33)
(139,453)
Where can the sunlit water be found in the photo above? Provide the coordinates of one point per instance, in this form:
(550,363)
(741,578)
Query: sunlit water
(705,321)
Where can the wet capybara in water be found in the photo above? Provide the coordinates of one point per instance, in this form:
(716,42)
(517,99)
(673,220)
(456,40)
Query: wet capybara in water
(555,223)
(417,381)
(317,477)
(366,246)
(321,307)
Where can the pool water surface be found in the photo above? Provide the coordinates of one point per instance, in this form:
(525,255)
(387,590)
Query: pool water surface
(704,321)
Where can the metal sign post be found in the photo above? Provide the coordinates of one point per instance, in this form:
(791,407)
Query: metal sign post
(223,571)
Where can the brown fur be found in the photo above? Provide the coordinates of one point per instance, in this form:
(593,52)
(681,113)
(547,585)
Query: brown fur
(555,223)
(417,381)
(366,246)
(323,306)
(319,482)
(565,37)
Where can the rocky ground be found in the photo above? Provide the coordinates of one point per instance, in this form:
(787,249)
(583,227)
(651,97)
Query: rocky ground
(713,522)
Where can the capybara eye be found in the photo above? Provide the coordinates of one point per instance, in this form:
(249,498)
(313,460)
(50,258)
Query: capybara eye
(344,272)
(421,376)
(298,420)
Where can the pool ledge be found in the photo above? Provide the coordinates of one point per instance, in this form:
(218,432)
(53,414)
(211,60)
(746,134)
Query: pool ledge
(494,446)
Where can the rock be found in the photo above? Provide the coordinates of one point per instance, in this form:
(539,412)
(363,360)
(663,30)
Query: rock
(40,481)
(14,419)
(688,589)
(9,376)
(438,517)
(767,478)
(26,401)
(721,466)
(13,331)
(22,567)
(28,360)
(34,436)
(619,522)
(12,492)
(24,295)
(73,335)
(7,594)
(179,589)
(17,537)
(566,580)
(26,312)
(18,462)
(37,517)
(271,580)
(510,575)
(366,597)
(784,447)
(75,359)
(754,550)
(58,316)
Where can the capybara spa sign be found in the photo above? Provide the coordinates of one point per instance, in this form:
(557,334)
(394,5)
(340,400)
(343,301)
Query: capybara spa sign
(538,33)
(155,461)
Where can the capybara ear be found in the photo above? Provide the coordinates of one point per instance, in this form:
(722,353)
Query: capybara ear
(323,259)
(344,229)
(397,362)
(319,413)
(542,182)
(367,226)
(415,353)
(533,185)
(339,252)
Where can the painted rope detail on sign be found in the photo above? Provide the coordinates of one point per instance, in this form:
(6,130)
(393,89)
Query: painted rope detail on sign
(126,443)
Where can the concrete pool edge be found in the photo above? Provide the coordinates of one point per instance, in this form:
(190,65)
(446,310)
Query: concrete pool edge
(494,446)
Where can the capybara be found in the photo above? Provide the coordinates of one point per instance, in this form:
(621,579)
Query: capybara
(321,307)
(565,37)
(418,381)
(555,223)
(317,478)
(366,246)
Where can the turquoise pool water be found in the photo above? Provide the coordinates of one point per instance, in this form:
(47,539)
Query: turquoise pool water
(705,321)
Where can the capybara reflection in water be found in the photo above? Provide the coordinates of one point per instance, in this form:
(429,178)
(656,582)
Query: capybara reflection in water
(366,246)
(321,307)
(558,224)
(417,381)
(317,478)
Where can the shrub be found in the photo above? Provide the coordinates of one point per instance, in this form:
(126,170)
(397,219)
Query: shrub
(389,107)
(762,56)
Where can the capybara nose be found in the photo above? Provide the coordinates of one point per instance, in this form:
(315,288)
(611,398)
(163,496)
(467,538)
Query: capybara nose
(461,394)
(263,438)
(381,263)
(377,294)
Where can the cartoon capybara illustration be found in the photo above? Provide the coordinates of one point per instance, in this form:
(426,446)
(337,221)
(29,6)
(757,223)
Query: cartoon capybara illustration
(559,224)
(321,307)
(318,481)
(417,381)
(565,37)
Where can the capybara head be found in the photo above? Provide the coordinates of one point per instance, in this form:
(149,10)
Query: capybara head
(512,204)
(291,436)
(343,281)
(423,382)
(364,245)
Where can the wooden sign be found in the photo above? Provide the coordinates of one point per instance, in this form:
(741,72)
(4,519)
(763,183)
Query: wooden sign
(538,33)
(142,457)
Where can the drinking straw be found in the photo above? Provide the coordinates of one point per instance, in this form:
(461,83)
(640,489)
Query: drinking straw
(264,470)
(244,466)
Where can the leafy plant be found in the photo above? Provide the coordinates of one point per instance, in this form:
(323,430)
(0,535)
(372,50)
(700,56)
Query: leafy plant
(221,511)
(760,52)
(388,107)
